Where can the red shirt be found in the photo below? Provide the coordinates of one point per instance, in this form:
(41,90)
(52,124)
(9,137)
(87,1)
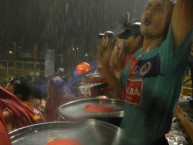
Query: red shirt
(37,115)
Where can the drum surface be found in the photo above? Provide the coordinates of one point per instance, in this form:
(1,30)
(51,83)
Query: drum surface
(90,132)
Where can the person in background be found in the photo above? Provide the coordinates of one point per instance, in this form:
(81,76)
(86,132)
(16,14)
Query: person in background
(17,103)
(57,95)
(128,34)
(35,98)
(151,82)
(131,40)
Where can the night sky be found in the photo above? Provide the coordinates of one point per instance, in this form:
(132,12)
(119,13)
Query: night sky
(60,25)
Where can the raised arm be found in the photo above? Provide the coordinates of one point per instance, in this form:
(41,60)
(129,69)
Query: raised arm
(182,20)
(104,53)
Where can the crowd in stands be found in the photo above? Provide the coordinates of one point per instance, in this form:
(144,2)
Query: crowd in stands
(22,104)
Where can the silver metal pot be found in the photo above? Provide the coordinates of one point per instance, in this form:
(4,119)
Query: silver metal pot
(90,132)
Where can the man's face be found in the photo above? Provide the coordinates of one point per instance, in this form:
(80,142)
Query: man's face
(155,18)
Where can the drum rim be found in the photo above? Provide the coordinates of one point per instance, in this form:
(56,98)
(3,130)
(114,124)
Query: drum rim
(16,134)
(115,114)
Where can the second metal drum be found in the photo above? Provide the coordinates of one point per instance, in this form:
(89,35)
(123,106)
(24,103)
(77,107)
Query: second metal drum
(75,110)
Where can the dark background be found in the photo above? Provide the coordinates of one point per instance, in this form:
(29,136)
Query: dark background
(29,27)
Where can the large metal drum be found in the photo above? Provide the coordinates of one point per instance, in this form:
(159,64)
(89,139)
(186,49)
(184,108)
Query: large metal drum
(75,110)
(90,132)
